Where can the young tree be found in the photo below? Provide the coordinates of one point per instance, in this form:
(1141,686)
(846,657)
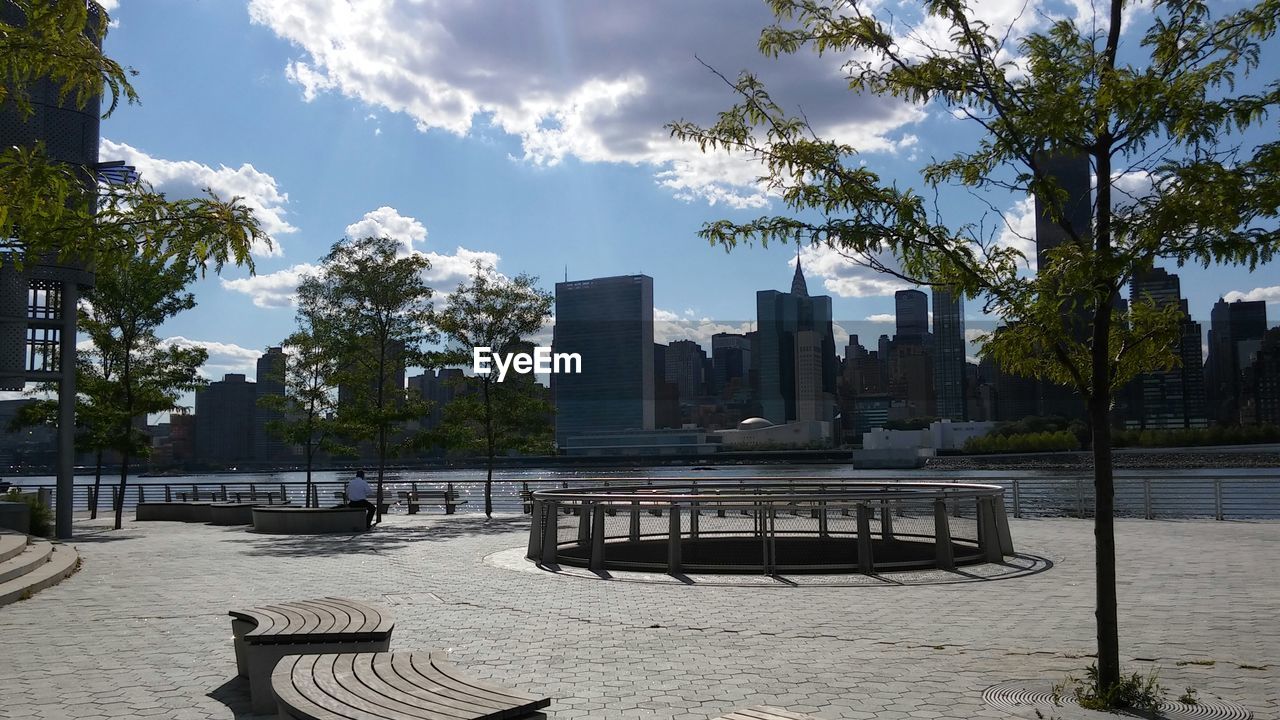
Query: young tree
(498,313)
(1166,109)
(309,402)
(120,316)
(371,310)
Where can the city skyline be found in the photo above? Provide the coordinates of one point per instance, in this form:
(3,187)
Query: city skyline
(593,184)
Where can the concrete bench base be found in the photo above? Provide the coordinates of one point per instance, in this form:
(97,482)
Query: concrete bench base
(233,513)
(173,511)
(307,521)
(765,712)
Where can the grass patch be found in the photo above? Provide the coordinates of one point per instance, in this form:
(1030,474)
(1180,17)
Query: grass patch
(1205,663)
(1189,697)
(1136,692)
(1247,666)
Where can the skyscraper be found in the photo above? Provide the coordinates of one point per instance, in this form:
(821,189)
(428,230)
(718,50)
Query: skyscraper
(609,323)
(730,360)
(1173,398)
(683,367)
(948,361)
(912,315)
(224,427)
(797,356)
(1070,173)
(268,447)
(1233,327)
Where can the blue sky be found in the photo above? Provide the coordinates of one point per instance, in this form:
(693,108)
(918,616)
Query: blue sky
(528,135)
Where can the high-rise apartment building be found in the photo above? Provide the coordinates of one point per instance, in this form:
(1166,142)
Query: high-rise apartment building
(608,322)
(948,359)
(912,316)
(1234,329)
(224,431)
(683,368)
(268,446)
(1173,398)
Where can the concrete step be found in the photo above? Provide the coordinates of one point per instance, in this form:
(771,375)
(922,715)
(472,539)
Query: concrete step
(36,554)
(62,563)
(11,544)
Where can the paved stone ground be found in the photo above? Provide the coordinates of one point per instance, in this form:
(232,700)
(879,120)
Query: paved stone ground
(142,630)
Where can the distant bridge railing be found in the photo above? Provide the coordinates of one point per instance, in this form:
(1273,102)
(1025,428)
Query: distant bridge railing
(1222,497)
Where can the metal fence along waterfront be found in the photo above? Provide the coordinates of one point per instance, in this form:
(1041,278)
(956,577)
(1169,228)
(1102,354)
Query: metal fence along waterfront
(1222,496)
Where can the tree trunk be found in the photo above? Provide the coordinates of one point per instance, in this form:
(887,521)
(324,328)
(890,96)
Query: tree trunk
(124,476)
(382,464)
(306,500)
(97,486)
(489,443)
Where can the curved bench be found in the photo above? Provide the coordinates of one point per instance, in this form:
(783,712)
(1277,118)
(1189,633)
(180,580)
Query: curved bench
(390,686)
(287,520)
(173,511)
(265,634)
(234,513)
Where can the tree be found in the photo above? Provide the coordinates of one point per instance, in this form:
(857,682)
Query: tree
(49,209)
(498,313)
(309,401)
(1167,110)
(145,376)
(372,311)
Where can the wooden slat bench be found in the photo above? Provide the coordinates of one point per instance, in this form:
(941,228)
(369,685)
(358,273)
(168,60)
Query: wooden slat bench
(447,497)
(342,495)
(764,712)
(265,634)
(390,686)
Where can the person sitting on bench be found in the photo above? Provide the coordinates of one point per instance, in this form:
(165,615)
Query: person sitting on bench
(358,497)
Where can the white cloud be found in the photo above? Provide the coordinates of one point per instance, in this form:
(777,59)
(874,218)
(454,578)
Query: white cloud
(842,276)
(1267,294)
(595,82)
(273,290)
(388,222)
(882,318)
(1019,231)
(223,357)
(187,178)
(669,326)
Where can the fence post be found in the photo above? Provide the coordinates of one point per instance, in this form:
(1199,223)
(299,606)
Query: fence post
(584,523)
(866,564)
(886,521)
(822,518)
(1017,498)
(223,488)
(1079,498)
(634,528)
(253,492)
(142,495)
(550,532)
(673,541)
(1217,498)
(1146,499)
(597,539)
(942,535)
(535,531)
(167,496)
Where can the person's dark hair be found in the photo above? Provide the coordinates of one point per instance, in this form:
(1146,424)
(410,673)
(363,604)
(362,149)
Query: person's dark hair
(359,473)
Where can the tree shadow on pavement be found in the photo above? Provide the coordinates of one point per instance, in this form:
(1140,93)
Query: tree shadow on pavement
(389,536)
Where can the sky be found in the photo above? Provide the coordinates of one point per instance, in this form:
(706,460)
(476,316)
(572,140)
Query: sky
(526,135)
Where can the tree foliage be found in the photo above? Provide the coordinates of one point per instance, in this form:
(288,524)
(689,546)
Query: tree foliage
(308,406)
(501,314)
(371,309)
(142,375)
(1168,109)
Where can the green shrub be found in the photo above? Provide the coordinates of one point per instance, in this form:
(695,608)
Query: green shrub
(40,518)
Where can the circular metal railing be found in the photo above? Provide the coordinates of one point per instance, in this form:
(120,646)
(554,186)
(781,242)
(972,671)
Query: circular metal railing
(748,525)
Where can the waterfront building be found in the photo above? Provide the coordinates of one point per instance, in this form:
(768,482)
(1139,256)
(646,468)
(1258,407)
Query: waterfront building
(1235,329)
(224,433)
(949,355)
(911,316)
(1173,398)
(268,447)
(730,360)
(683,368)
(1260,392)
(608,322)
(674,442)
(438,387)
(797,357)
